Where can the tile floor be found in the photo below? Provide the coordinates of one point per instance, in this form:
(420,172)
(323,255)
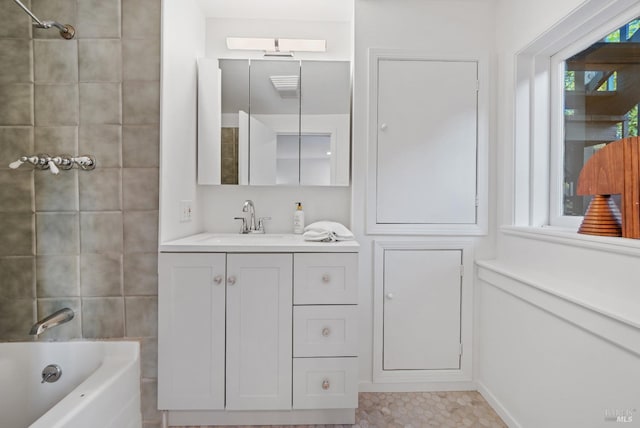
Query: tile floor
(420,409)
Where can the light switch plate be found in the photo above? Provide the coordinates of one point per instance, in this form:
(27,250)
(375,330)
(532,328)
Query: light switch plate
(186,211)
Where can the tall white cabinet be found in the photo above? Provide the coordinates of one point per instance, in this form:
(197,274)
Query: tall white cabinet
(258,335)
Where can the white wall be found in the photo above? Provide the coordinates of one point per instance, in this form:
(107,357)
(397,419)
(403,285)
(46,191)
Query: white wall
(451,27)
(558,313)
(219,204)
(182,42)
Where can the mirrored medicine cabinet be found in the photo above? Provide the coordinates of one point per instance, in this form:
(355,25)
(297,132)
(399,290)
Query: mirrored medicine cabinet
(274,122)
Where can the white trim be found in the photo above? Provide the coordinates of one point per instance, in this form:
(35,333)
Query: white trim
(417,386)
(541,293)
(496,405)
(558,235)
(557,132)
(480,227)
(464,374)
(535,156)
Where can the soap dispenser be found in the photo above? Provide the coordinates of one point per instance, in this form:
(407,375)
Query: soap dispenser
(298,219)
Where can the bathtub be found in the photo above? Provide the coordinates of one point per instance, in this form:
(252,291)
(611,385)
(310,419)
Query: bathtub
(99,386)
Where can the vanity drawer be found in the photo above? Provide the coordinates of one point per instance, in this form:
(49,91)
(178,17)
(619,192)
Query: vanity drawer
(325,278)
(325,331)
(325,383)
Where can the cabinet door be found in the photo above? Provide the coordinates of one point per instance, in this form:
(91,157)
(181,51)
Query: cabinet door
(191,306)
(426,142)
(421,309)
(259,329)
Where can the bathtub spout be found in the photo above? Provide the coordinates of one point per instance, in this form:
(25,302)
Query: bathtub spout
(58,317)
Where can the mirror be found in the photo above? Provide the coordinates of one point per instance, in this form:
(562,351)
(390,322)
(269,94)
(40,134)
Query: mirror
(282,122)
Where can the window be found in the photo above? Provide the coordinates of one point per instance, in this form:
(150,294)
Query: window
(594,101)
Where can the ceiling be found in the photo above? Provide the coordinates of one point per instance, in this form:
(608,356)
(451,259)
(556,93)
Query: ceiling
(298,10)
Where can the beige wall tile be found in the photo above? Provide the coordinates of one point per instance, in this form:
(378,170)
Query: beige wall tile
(14,142)
(16,318)
(104,142)
(141,316)
(140,188)
(56,105)
(17,104)
(141,19)
(141,59)
(98,18)
(55,140)
(57,233)
(100,189)
(140,232)
(56,61)
(141,146)
(14,23)
(18,277)
(101,275)
(141,274)
(16,65)
(57,276)
(141,104)
(16,234)
(101,232)
(100,60)
(56,192)
(16,190)
(102,317)
(100,103)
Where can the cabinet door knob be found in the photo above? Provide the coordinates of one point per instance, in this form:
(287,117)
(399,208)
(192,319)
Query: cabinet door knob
(231,280)
(383,126)
(389,296)
(326,331)
(326,278)
(325,384)
(217,279)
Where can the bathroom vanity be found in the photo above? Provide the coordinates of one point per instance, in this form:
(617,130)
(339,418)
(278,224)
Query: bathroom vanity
(257,329)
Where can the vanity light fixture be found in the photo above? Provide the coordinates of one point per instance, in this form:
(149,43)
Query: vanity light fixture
(276,46)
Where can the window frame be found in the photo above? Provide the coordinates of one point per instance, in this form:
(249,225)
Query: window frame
(537,156)
(557,141)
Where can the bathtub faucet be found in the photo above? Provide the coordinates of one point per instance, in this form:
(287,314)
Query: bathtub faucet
(58,317)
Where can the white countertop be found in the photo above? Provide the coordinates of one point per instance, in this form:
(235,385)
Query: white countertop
(254,243)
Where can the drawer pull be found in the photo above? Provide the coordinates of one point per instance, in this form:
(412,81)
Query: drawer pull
(325,384)
(231,280)
(326,278)
(389,296)
(217,279)
(326,332)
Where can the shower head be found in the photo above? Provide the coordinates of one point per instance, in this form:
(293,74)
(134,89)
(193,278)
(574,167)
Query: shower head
(66,30)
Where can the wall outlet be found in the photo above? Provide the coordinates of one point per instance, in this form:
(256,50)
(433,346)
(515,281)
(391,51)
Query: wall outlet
(186,211)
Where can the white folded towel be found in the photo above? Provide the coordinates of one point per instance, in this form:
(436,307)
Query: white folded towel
(327,231)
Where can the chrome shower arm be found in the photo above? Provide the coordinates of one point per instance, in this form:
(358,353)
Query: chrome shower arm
(66,31)
(35,18)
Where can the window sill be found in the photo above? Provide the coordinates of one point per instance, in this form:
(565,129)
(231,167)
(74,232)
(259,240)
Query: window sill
(625,246)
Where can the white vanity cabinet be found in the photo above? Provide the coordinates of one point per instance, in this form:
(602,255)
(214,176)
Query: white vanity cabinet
(258,334)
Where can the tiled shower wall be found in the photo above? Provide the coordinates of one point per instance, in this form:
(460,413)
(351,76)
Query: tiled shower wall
(82,239)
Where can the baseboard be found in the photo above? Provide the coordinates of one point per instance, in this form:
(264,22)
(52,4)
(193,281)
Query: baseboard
(416,386)
(497,406)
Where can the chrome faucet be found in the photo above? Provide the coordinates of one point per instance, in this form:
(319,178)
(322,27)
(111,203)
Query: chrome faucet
(249,224)
(58,317)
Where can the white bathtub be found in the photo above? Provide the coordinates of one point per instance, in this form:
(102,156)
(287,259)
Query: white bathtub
(99,386)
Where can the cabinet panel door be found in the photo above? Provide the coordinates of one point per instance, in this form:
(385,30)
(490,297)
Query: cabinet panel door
(426,142)
(191,306)
(421,309)
(259,324)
